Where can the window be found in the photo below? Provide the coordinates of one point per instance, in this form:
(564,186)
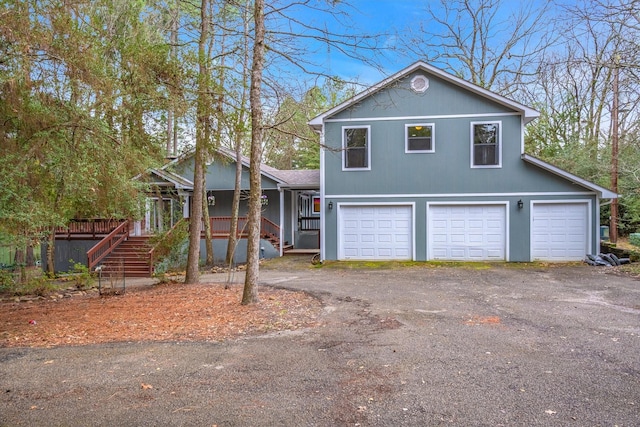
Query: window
(356,152)
(485,144)
(419,138)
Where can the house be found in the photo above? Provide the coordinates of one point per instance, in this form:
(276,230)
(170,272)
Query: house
(290,216)
(421,166)
(426,166)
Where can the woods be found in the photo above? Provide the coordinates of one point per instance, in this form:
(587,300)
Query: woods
(95,93)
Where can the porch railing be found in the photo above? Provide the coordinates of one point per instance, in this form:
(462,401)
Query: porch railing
(105,246)
(220,226)
(88,227)
(309,223)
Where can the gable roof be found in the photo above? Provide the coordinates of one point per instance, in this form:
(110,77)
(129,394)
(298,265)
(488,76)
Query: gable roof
(602,192)
(309,178)
(527,112)
(167,178)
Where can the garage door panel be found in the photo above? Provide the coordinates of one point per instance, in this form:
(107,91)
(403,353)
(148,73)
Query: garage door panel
(382,232)
(559,231)
(467,232)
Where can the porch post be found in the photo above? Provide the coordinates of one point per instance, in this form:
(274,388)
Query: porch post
(185,207)
(281,193)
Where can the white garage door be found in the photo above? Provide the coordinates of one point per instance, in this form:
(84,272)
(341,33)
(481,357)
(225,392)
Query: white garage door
(467,232)
(375,232)
(559,231)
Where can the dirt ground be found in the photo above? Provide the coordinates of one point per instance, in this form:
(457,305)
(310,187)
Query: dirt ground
(166,312)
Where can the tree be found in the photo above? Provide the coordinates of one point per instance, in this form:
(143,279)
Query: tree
(250,292)
(74,96)
(495,44)
(203,134)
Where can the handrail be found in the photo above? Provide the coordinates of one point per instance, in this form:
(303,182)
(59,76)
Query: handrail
(105,246)
(88,227)
(309,223)
(269,228)
(220,226)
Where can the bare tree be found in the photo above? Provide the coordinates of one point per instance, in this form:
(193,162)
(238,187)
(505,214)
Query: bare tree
(202,139)
(250,294)
(495,44)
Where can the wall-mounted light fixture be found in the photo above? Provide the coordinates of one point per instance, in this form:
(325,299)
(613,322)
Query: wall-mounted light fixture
(520,204)
(330,205)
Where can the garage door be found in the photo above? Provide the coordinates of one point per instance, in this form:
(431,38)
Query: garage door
(375,232)
(559,231)
(467,232)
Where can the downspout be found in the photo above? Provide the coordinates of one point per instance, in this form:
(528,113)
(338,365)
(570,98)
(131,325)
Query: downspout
(281,192)
(322,201)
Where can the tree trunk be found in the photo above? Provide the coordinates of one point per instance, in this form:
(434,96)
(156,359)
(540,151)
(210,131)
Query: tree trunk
(208,242)
(239,138)
(51,252)
(193,257)
(235,207)
(250,294)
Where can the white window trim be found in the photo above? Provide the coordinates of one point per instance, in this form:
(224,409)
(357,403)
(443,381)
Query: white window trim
(344,148)
(406,138)
(473,124)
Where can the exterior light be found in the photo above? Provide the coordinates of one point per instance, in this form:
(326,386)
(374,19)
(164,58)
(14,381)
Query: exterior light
(520,204)
(330,205)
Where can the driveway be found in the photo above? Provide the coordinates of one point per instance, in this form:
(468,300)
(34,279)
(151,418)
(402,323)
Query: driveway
(469,346)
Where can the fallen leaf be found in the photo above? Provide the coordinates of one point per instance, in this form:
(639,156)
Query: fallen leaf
(146,386)
(550,412)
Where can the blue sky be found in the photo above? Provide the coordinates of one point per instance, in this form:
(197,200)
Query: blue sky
(388,17)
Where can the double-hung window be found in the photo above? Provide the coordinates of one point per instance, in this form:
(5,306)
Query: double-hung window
(486,149)
(356,148)
(419,138)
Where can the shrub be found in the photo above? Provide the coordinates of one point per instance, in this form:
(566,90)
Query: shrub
(82,277)
(634,239)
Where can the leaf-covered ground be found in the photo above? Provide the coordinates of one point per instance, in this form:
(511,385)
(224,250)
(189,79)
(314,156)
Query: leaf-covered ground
(168,312)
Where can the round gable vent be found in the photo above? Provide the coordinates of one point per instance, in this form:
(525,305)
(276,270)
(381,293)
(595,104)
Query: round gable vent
(420,84)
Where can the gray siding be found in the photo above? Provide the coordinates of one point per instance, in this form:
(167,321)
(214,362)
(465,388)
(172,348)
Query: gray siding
(221,175)
(445,175)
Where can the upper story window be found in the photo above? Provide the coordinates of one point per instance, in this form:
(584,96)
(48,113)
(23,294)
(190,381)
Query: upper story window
(486,144)
(419,138)
(356,150)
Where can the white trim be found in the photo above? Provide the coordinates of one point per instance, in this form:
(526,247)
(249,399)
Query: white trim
(499,144)
(431,117)
(589,241)
(507,207)
(344,149)
(529,113)
(281,237)
(412,205)
(454,195)
(406,138)
(602,192)
(294,216)
(323,226)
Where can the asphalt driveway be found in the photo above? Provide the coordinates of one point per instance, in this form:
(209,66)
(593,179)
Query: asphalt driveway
(493,345)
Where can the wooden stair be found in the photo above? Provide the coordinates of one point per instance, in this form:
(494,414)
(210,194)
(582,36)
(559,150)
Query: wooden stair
(131,259)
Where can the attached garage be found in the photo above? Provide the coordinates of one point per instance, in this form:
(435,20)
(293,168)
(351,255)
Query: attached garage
(474,232)
(375,232)
(559,231)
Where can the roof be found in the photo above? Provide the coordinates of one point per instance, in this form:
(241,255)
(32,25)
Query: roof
(527,112)
(300,178)
(178,181)
(602,192)
(309,178)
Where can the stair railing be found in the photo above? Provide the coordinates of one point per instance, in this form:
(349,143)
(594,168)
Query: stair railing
(105,246)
